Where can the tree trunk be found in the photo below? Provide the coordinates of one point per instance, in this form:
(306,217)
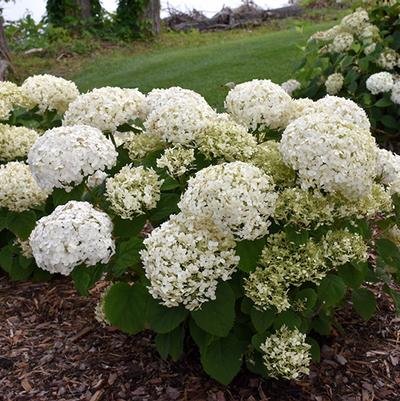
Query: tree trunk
(5,58)
(152,14)
(85,8)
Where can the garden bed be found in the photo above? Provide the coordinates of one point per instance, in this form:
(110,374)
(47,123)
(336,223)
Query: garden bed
(51,348)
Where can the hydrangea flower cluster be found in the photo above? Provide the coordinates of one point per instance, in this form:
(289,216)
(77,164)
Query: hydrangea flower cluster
(290,86)
(380,82)
(330,154)
(133,190)
(18,189)
(185,259)
(15,142)
(106,108)
(74,234)
(334,83)
(141,144)
(48,92)
(62,157)
(223,138)
(10,96)
(259,104)
(342,42)
(236,196)
(177,160)
(286,354)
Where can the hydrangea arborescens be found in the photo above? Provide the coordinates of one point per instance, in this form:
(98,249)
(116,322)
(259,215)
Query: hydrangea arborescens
(259,104)
(286,354)
(10,96)
(238,197)
(18,189)
(223,138)
(158,97)
(334,83)
(330,154)
(133,190)
(380,82)
(184,259)
(177,160)
(395,96)
(290,86)
(139,145)
(49,93)
(107,108)
(342,42)
(179,120)
(62,157)
(15,142)
(388,166)
(73,234)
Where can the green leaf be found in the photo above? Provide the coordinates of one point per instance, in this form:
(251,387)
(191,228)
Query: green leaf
(389,121)
(85,277)
(332,289)
(217,317)
(199,336)
(61,196)
(255,364)
(171,344)
(295,236)
(125,307)
(395,295)
(127,255)
(385,102)
(352,276)
(249,253)
(322,325)
(364,303)
(163,319)
(167,205)
(125,228)
(222,359)
(308,296)
(262,319)
(7,258)
(21,224)
(314,350)
(169,183)
(287,318)
(389,252)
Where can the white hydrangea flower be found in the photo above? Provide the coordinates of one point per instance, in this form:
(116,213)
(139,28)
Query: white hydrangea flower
(176,160)
(388,166)
(237,197)
(49,92)
(185,259)
(179,120)
(330,154)
(369,32)
(99,313)
(107,108)
(380,82)
(342,42)
(388,59)
(334,83)
(18,189)
(290,86)
(300,107)
(96,179)
(286,354)
(356,21)
(62,157)
(344,109)
(139,145)
(24,246)
(158,97)
(327,35)
(10,96)
(223,138)
(395,96)
(133,190)
(259,104)
(15,142)
(73,234)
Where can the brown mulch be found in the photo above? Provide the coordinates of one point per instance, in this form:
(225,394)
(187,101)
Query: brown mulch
(51,348)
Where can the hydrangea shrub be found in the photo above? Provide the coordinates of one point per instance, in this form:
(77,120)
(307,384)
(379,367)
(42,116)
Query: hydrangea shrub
(244,230)
(359,59)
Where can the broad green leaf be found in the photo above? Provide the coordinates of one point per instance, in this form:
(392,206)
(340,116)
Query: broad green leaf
(307,296)
(199,336)
(249,253)
(262,319)
(332,289)
(125,307)
(295,236)
(385,102)
(389,121)
(364,303)
(61,196)
(127,255)
(222,359)
(322,325)
(21,224)
(167,205)
(314,350)
(287,318)
(217,317)
(255,364)
(125,228)
(163,319)
(7,258)
(352,276)
(171,344)
(85,277)
(389,252)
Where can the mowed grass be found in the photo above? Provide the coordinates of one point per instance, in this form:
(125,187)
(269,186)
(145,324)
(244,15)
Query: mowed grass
(204,68)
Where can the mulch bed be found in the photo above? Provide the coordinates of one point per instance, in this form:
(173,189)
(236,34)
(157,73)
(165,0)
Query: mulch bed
(51,348)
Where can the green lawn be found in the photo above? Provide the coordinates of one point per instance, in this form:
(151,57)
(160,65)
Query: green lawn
(203,68)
